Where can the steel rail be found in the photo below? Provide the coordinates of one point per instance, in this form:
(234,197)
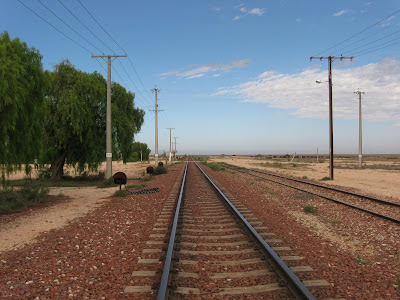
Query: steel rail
(293,282)
(329,188)
(322,196)
(165,279)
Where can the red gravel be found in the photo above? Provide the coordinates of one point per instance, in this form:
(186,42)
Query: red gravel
(361,264)
(92,257)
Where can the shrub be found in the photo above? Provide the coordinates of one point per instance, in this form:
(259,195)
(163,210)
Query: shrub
(309,209)
(31,194)
(10,201)
(147,178)
(360,259)
(214,167)
(121,193)
(160,170)
(136,187)
(325,178)
(44,173)
(107,183)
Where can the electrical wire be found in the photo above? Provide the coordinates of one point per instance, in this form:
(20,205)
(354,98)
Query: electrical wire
(351,51)
(379,45)
(133,81)
(68,25)
(101,26)
(97,59)
(84,48)
(367,37)
(139,77)
(380,21)
(126,86)
(84,25)
(130,61)
(363,53)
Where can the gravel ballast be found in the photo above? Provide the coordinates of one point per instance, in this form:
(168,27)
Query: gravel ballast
(357,253)
(93,257)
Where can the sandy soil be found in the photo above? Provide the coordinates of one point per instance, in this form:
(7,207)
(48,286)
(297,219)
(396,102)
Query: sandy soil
(383,183)
(24,230)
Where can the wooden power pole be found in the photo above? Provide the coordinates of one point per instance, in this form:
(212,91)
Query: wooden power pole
(330,60)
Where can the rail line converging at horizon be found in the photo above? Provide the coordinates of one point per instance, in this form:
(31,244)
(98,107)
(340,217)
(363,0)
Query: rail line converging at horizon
(217,247)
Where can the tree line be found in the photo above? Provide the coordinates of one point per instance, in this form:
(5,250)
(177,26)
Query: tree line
(59,116)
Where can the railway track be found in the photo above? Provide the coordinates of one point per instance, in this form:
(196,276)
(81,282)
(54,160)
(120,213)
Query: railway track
(371,205)
(215,248)
(218,249)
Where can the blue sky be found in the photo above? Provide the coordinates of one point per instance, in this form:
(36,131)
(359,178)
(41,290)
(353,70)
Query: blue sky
(235,76)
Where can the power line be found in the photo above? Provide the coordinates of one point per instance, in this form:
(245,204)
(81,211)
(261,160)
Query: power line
(133,82)
(138,77)
(130,61)
(358,32)
(68,25)
(126,86)
(378,45)
(363,39)
(101,26)
(84,25)
(378,49)
(350,51)
(101,65)
(84,48)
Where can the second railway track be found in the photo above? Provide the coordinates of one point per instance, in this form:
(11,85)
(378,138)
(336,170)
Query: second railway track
(215,255)
(378,207)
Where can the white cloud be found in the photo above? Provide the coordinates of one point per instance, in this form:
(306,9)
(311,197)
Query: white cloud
(367,6)
(387,22)
(342,12)
(300,92)
(196,76)
(196,72)
(257,11)
(245,12)
(298,20)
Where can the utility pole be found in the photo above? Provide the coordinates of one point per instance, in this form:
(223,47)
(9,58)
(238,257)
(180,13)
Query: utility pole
(170,149)
(359,129)
(175,137)
(330,60)
(108,115)
(156,110)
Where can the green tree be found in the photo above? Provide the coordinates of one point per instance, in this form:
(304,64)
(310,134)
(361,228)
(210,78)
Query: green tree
(75,120)
(136,148)
(22,87)
(126,120)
